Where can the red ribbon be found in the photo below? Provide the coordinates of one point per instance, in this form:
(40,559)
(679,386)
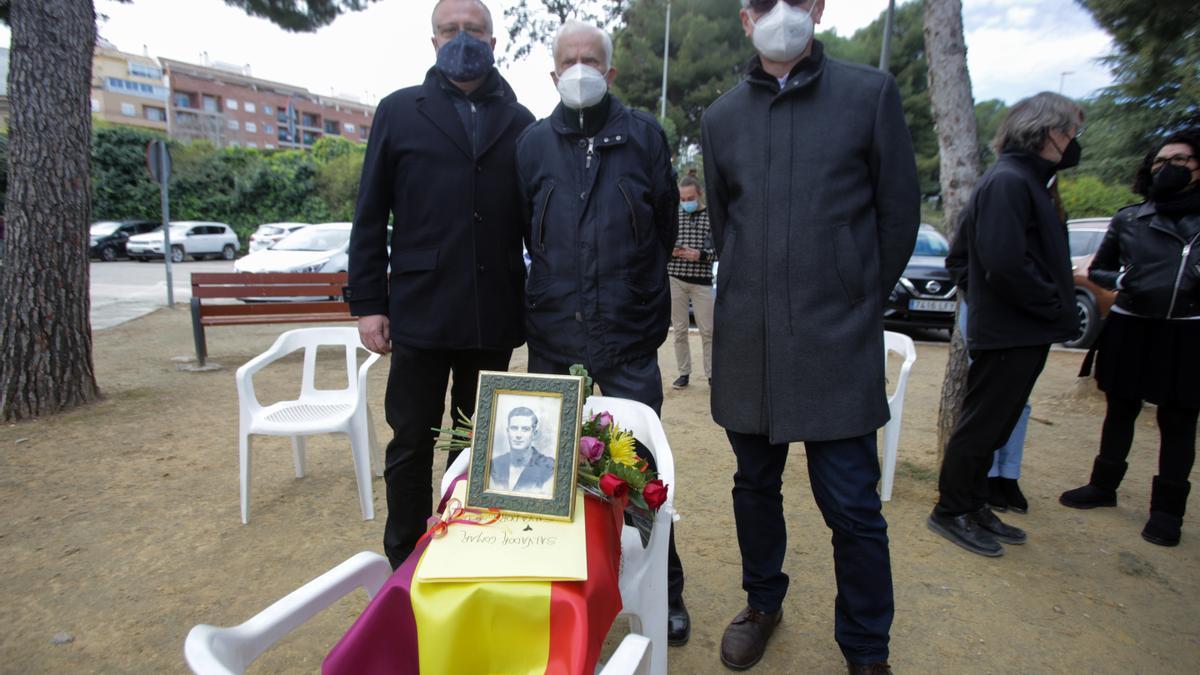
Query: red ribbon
(455,509)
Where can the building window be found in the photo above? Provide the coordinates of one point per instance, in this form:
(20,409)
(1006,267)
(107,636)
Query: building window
(269,146)
(310,120)
(251,127)
(362,131)
(283,135)
(128,110)
(348,127)
(232,124)
(331,126)
(231,104)
(251,144)
(268,110)
(135,88)
(268,128)
(144,70)
(183,100)
(249,107)
(210,104)
(95,105)
(155,114)
(310,137)
(282,117)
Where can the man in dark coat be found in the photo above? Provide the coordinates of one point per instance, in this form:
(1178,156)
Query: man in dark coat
(602,204)
(439,161)
(814,203)
(1022,297)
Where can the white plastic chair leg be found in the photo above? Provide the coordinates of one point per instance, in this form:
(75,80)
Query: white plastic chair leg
(361,449)
(298,455)
(376,449)
(244,473)
(891,441)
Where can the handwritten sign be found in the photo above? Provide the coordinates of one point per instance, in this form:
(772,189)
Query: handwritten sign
(514,548)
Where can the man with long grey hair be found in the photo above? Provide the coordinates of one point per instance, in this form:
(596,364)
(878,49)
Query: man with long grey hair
(1021,294)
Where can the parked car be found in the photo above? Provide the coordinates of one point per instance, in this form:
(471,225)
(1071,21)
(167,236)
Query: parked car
(316,248)
(925,295)
(108,237)
(1092,302)
(269,233)
(197,239)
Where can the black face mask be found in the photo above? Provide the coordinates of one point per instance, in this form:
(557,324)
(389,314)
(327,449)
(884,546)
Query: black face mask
(1070,156)
(1168,181)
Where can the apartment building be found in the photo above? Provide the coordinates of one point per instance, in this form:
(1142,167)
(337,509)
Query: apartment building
(225,105)
(128,88)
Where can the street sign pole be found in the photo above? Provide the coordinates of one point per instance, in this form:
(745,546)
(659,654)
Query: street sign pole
(163,176)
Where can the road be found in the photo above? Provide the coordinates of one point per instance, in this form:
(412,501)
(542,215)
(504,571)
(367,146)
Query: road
(122,291)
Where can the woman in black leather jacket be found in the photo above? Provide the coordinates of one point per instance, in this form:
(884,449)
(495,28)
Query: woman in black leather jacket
(1150,347)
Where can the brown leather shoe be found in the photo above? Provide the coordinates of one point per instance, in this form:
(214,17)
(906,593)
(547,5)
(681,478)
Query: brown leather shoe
(745,638)
(869,668)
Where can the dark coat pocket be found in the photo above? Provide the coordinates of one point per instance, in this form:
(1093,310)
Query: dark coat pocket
(848,263)
(414,260)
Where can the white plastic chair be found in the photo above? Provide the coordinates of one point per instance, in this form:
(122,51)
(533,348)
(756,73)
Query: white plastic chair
(211,650)
(902,345)
(317,411)
(643,578)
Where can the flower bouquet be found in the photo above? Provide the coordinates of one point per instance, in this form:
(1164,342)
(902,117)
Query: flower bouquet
(611,469)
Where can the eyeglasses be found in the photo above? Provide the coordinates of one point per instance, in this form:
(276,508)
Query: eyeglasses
(1177,160)
(764,6)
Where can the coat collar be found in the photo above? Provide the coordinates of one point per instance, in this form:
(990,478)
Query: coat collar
(803,73)
(1042,168)
(614,132)
(436,103)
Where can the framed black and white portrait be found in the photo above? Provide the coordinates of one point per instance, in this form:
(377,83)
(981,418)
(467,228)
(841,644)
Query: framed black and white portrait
(525,448)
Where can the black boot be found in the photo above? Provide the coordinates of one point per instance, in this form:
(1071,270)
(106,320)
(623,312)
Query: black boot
(1101,490)
(1012,494)
(1168,501)
(995,496)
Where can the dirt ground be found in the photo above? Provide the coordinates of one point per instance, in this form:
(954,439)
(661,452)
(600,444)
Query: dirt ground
(120,530)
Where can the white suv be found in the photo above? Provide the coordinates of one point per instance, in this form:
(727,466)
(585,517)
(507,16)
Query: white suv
(195,238)
(269,233)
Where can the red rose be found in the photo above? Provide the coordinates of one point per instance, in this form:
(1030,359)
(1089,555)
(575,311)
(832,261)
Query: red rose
(614,487)
(655,493)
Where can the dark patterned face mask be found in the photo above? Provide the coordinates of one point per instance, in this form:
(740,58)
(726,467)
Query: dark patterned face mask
(465,58)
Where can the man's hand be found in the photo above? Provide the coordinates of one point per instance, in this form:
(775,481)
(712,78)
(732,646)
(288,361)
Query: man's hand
(692,254)
(375,333)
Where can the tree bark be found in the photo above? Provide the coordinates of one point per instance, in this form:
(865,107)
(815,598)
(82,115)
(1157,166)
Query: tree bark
(46,337)
(954,117)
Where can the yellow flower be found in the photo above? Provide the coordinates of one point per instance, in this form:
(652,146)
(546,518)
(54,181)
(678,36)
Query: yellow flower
(620,447)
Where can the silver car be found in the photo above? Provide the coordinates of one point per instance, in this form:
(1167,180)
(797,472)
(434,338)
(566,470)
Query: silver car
(197,239)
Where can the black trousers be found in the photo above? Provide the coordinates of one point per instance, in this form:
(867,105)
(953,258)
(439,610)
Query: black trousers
(1177,435)
(638,380)
(415,403)
(843,475)
(999,382)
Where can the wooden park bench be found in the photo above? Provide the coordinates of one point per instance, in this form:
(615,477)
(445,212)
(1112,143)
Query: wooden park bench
(263,288)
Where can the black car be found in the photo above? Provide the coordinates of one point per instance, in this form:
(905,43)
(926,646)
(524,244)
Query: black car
(925,296)
(109,237)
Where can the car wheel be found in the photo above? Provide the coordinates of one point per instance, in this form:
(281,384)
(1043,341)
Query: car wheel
(134,257)
(1089,322)
(229,252)
(107,254)
(177,254)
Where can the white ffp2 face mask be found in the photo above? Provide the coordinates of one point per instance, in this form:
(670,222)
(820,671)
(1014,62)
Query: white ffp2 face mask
(581,86)
(783,33)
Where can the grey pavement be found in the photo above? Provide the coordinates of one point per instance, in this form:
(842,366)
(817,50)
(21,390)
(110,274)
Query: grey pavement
(124,290)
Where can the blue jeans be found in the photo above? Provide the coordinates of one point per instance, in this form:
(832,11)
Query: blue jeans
(1007,460)
(843,475)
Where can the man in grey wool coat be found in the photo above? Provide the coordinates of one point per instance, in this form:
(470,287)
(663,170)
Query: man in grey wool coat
(815,205)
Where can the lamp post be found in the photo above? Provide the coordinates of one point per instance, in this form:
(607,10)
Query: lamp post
(885,53)
(1062,79)
(666,52)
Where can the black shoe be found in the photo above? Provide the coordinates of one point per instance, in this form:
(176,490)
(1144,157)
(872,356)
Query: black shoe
(881,668)
(1003,533)
(1012,494)
(1088,497)
(965,532)
(680,382)
(745,638)
(679,624)
(995,497)
(1168,502)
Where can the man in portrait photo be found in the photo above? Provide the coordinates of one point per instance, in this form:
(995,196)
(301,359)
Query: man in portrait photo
(522,468)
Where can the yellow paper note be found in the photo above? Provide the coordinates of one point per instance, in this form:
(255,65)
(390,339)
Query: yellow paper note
(514,548)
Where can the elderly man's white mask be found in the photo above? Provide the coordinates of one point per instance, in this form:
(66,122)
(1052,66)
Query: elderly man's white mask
(581,86)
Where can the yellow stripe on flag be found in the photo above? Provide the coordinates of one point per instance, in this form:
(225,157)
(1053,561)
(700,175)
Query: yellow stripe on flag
(470,627)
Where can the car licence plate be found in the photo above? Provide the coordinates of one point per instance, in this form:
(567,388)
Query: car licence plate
(932,305)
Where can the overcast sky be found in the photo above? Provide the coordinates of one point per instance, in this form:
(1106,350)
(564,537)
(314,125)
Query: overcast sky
(1015,47)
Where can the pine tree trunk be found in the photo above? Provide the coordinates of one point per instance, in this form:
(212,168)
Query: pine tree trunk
(45,331)
(954,117)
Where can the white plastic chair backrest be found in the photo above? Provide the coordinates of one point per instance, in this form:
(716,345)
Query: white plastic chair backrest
(210,650)
(902,345)
(310,339)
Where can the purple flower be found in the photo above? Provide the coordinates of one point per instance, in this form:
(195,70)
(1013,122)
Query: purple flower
(603,420)
(591,448)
